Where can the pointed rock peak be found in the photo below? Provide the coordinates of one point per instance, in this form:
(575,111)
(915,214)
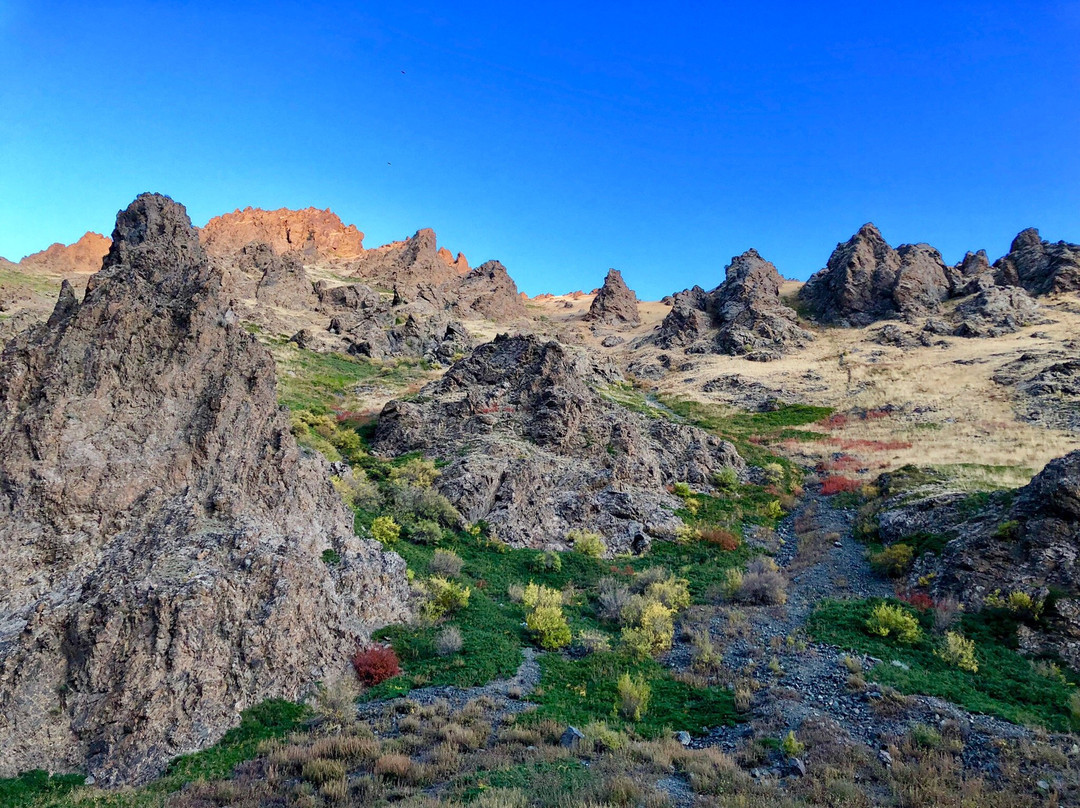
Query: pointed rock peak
(491,268)
(1026,239)
(615,302)
(66,305)
(870,231)
(154,218)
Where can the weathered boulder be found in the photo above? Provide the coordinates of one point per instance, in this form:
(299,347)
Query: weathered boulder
(614,304)
(535,449)
(162,533)
(996,310)
(686,323)
(282,279)
(1040,267)
(1045,385)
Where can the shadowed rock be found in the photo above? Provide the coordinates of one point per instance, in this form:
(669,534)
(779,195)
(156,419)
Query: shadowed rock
(1040,267)
(162,533)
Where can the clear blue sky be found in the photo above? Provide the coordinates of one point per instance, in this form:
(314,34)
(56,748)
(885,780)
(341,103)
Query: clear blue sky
(561,138)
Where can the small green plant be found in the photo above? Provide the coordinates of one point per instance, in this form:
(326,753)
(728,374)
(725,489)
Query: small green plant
(651,629)
(1007,531)
(544,616)
(926,736)
(726,479)
(894,560)
(774,510)
(774,473)
(792,746)
(634,695)
(682,490)
(385,530)
(893,621)
(1018,602)
(549,561)
(331,556)
(959,651)
(586,543)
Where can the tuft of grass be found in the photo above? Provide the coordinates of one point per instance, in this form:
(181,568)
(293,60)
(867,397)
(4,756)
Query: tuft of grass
(30,787)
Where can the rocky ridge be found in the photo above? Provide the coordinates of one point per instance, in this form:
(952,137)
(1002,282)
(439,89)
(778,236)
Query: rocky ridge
(162,533)
(536,450)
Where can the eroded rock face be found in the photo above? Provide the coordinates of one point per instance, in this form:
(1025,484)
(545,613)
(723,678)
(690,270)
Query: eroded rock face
(282,279)
(743,316)
(318,234)
(614,304)
(1040,267)
(536,450)
(81,258)
(1045,386)
(996,310)
(162,533)
(866,280)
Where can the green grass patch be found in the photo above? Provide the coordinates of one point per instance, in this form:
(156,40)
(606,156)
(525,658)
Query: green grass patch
(36,786)
(1005,685)
(580,691)
(547,783)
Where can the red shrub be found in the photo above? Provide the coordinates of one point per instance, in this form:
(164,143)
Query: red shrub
(919,600)
(836,485)
(724,539)
(375,664)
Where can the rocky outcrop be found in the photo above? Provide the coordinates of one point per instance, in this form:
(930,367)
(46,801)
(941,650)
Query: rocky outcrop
(995,311)
(1045,386)
(162,534)
(536,450)
(743,316)
(319,235)
(282,279)
(748,313)
(866,280)
(416,261)
(1040,267)
(488,292)
(614,304)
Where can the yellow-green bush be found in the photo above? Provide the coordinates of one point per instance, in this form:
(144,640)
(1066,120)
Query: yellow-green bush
(1017,602)
(443,597)
(544,616)
(385,530)
(651,629)
(586,543)
(792,746)
(887,620)
(634,695)
(418,471)
(959,651)
(894,560)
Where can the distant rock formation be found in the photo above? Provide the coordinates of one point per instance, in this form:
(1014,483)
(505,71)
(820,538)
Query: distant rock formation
(162,533)
(866,280)
(84,257)
(413,262)
(1039,266)
(614,304)
(744,316)
(995,311)
(317,234)
(536,450)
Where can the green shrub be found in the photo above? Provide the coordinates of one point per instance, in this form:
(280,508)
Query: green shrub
(774,510)
(586,543)
(926,736)
(894,560)
(731,583)
(331,557)
(958,651)
(424,503)
(603,737)
(682,490)
(893,621)
(443,597)
(1018,602)
(425,531)
(651,627)
(416,471)
(358,491)
(774,473)
(1007,531)
(544,616)
(726,479)
(634,695)
(549,561)
(385,530)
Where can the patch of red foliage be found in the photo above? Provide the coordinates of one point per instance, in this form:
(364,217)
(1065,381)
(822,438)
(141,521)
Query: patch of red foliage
(838,484)
(870,445)
(724,539)
(375,663)
(842,462)
(627,570)
(920,600)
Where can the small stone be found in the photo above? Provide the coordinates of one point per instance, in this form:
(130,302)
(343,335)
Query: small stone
(683,737)
(896,663)
(885,757)
(798,768)
(571,737)
(1043,785)
(90,780)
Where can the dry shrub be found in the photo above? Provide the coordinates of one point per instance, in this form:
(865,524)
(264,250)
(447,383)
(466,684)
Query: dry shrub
(446,563)
(838,484)
(319,771)
(449,641)
(763,583)
(611,600)
(721,537)
(395,767)
(347,748)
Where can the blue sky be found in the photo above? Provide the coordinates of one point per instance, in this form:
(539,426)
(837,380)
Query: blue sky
(560,138)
